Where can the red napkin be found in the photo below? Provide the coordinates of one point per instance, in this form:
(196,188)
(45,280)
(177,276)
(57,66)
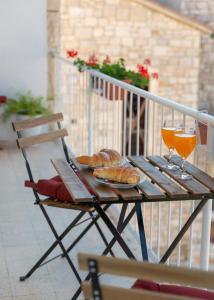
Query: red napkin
(53,187)
(3,99)
(173,289)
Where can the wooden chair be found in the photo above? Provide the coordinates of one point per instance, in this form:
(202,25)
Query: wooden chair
(148,271)
(24,142)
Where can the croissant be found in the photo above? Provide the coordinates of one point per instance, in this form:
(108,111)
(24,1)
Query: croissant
(119,174)
(105,158)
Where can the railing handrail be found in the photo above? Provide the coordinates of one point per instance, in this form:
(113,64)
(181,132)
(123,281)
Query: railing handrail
(196,114)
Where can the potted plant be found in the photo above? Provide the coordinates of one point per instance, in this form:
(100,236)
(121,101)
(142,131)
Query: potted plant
(25,106)
(118,70)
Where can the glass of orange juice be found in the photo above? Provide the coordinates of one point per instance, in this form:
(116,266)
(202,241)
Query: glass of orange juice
(185,143)
(168,134)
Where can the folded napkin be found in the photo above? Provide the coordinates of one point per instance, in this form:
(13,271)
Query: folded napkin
(53,187)
(173,289)
(3,99)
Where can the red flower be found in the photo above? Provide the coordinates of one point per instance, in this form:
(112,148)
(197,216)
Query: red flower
(155,75)
(92,61)
(107,60)
(147,61)
(143,71)
(71,53)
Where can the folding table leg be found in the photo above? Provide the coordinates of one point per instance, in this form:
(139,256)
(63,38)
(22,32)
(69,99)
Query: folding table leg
(121,226)
(52,247)
(101,234)
(122,216)
(120,230)
(183,230)
(113,230)
(141,230)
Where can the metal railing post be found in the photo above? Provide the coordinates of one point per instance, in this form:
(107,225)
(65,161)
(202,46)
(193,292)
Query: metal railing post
(207,210)
(90,114)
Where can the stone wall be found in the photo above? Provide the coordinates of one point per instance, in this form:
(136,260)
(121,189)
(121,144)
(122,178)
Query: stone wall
(202,11)
(125,28)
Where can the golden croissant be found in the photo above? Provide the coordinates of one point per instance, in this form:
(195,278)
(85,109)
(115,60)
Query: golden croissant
(105,158)
(119,174)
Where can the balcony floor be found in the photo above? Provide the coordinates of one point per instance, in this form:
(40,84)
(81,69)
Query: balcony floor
(25,235)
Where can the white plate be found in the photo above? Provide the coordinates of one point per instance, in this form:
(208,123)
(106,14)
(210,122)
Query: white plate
(122,162)
(119,185)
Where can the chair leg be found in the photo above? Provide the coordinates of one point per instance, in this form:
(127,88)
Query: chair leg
(94,219)
(61,244)
(52,247)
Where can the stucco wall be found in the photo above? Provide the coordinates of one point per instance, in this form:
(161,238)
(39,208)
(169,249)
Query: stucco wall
(23,54)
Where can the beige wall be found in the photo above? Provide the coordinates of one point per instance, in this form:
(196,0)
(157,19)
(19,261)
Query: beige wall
(204,11)
(125,28)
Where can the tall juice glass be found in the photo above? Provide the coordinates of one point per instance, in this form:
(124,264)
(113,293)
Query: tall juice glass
(168,135)
(184,144)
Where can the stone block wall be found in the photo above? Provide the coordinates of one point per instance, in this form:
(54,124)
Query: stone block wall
(202,11)
(127,29)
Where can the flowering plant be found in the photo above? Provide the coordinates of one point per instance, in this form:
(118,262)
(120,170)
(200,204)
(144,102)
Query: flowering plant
(118,70)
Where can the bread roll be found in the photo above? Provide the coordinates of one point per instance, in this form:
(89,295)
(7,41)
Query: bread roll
(105,158)
(118,174)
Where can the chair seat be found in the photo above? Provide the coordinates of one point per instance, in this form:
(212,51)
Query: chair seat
(173,289)
(67,205)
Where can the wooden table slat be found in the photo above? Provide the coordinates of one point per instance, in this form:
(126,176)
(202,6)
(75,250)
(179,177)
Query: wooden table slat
(128,194)
(170,187)
(104,193)
(198,174)
(192,185)
(151,191)
(72,182)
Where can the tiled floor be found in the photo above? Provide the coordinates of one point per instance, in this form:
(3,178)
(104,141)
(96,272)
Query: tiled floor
(25,235)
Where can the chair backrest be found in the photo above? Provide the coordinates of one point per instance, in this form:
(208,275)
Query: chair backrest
(24,142)
(136,269)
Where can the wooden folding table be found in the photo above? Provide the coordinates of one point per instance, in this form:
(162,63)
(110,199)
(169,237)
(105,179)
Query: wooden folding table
(160,185)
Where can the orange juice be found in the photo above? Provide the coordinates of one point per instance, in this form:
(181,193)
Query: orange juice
(168,136)
(184,143)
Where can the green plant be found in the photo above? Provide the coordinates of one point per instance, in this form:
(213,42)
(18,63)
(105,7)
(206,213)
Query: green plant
(25,104)
(117,69)
(137,79)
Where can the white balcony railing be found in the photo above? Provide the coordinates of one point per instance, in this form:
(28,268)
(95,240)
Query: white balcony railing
(96,118)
